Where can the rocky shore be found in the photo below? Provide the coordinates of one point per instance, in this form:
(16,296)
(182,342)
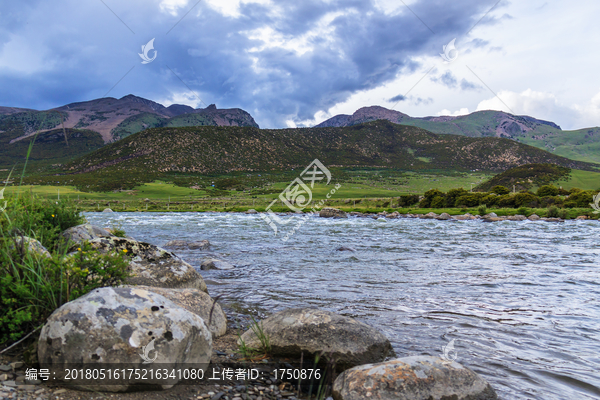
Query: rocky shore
(165,315)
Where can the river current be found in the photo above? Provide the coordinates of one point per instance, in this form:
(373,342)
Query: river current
(519,301)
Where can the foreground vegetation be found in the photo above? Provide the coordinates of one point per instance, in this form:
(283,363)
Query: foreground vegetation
(35,282)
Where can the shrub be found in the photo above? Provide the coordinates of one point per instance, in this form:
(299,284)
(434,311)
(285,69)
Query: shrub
(552,212)
(547,190)
(580,199)
(32,286)
(454,194)
(482,210)
(500,190)
(525,199)
(506,201)
(438,202)
(408,200)
(470,200)
(564,214)
(490,200)
(549,200)
(563,192)
(524,211)
(429,196)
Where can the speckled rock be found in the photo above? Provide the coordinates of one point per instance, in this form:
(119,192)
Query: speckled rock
(444,217)
(252,211)
(80,233)
(183,245)
(311,331)
(153,266)
(517,218)
(494,219)
(30,245)
(107,210)
(197,302)
(429,215)
(581,218)
(412,378)
(491,215)
(329,212)
(117,327)
(213,263)
(534,217)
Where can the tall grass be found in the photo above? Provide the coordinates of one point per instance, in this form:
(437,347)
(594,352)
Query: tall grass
(35,281)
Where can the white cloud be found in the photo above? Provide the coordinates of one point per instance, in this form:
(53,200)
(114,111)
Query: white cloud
(462,111)
(172,6)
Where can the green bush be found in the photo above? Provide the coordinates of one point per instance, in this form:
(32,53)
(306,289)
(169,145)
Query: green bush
(39,218)
(549,200)
(580,199)
(408,200)
(525,199)
(482,210)
(524,211)
(500,190)
(32,286)
(454,194)
(552,212)
(547,190)
(438,202)
(562,213)
(490,200)
(506,201)
(470,200)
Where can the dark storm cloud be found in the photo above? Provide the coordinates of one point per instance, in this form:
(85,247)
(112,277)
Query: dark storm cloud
(75,51)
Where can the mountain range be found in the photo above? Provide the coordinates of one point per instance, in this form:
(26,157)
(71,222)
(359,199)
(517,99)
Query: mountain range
(78,128)
(167,153)
(582,144)
(73,130)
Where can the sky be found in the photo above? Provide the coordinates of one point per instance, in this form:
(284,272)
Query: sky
(297,63)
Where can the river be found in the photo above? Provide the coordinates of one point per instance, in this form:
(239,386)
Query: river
(520,301)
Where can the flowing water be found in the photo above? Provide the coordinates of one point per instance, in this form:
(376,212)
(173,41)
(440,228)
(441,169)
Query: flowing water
(520,301)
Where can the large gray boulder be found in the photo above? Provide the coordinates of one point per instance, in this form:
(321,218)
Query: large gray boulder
(534,217)
(86,232)
(329,212)
(152,266)
(123,328)
(412,378)
(213,263)
(310,331)
(196,302)
(516,218)
(184,245)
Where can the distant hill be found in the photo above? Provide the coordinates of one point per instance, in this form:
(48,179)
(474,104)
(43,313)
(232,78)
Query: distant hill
(526,176)
(583,144)
(211,150)
(112,119)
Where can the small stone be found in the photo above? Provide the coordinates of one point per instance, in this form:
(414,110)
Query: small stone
(60,391)
(39,391)
(27,387)
(217,396)
(3,377)
(16,365)
(5,368)
(33,382)
(10,383)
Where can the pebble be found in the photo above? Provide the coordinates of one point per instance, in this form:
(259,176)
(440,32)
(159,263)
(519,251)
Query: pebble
(5,368)
(60,391)
(3,377)
(10,383)
(16,365)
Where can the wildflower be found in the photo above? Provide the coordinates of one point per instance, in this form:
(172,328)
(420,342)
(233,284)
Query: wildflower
(79,249)
(124,250)
(52,215)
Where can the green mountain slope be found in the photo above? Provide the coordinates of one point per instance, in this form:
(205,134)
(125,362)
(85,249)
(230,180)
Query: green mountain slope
(583,144)
(211,150)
